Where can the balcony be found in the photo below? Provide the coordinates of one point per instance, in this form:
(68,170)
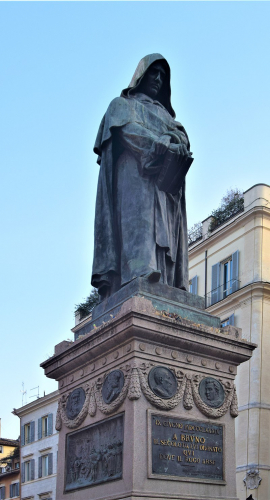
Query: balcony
(220,293)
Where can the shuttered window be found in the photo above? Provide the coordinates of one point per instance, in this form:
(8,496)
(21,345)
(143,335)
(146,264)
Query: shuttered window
(14,490)
(228,321)
(50,464)
(50,424)
(225,278)
(32,469)
(193,285)
(45,465)
(215,283)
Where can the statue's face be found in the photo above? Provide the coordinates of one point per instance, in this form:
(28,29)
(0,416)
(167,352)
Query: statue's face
(75,400)
(167,382)
(153,80)
(210,392)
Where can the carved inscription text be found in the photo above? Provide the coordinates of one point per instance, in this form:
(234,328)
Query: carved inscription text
(186,448)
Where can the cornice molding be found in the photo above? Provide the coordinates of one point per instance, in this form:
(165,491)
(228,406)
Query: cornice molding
(256,405)
(38,403)
(227,228)
(259,289)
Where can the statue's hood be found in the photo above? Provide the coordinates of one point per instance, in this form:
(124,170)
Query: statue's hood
(164,96)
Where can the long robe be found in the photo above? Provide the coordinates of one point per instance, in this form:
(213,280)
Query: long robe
(138,228)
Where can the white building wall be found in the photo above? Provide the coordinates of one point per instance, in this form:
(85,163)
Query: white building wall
(45,487)
(249,233)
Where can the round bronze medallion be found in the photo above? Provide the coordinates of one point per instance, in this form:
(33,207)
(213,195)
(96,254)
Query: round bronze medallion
(113,385)
(162,382)
(211,392)
(75,403)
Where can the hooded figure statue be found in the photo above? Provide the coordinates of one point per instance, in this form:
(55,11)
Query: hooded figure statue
(140,230)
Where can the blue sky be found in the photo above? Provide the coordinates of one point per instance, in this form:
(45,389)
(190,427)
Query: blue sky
(61,64)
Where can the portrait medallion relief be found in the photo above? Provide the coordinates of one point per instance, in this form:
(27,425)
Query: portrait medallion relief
(113,385)
(211,392)
(162,382)
(75,403)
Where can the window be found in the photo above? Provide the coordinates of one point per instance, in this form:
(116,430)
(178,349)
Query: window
(1,449)
(28,433)
(2,492)
(27,429)
(27,471)
(14,490)
(228,321)
(45,426)
(45,465)
(17,465)
(225,278)
(193,285)
(2,470)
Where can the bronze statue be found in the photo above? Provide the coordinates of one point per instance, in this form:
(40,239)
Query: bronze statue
(143,152)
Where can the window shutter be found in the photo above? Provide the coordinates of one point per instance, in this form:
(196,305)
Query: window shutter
(32,469)
(32,432)
(231,320)
(39,428)
(22,436)
(215,291)
(195,285)
(50,424)
(4,492)
(17,489)
(10,491)
(50,464)
(235,271)
(23,472)
(39,466)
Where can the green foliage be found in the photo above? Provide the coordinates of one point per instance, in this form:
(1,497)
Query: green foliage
(15,454)
(231,204)
(195,233)
(86,307)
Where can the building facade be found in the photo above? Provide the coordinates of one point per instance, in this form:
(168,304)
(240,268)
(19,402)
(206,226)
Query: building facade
(9,469)
(230,266)
(39,447)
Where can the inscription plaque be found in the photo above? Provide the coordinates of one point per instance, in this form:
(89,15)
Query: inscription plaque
(75,403)
(94,454)
(186,448)
(211,392)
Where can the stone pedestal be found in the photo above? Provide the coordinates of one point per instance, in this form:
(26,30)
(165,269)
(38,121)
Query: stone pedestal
(148,402)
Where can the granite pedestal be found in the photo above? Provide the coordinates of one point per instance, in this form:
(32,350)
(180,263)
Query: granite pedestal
(148,401)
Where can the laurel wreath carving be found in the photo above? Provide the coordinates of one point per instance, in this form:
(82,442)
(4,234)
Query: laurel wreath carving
(136,382)
(164,404)
(230,398)
(134,389)
(114,405)
(188,402)
(61,411)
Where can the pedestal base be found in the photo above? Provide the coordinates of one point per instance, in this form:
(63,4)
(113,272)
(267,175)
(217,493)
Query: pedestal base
(147,405)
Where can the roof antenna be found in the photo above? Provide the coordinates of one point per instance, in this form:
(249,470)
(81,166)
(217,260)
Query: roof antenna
(23,392)
(35,395)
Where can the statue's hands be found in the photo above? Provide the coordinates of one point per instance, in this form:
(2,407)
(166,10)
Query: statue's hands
(180,149)
(162,144)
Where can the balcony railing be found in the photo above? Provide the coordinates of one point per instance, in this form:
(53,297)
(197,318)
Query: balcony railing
(221,292)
